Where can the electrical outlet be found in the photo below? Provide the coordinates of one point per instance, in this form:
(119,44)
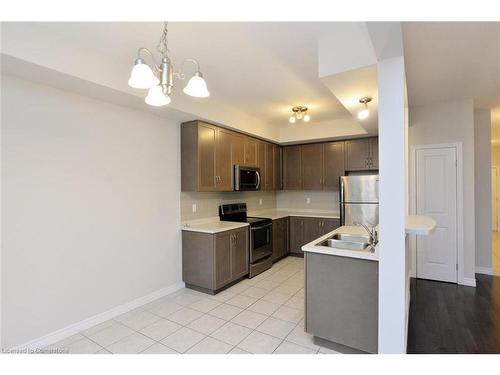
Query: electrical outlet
(308,200)
(194,208)
(260,202)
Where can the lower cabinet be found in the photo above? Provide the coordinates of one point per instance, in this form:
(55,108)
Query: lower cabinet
(305,229)
(280,238)
(212,261)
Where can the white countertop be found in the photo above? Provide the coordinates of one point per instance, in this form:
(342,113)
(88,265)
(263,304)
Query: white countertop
(284,212)
(420,225)
(211,225)
(358,254)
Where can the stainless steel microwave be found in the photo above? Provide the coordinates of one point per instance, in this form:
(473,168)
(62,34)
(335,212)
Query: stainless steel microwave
(246,178)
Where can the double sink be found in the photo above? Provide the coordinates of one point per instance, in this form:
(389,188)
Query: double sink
(349,242)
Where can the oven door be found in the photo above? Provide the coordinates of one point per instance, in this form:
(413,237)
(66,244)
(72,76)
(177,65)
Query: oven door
(261,242)
(246,178)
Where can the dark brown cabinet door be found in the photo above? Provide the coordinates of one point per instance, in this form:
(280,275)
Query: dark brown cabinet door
(250,152)
(374,153)
(357,154)
(207,136)
(286,236)
(328,225)
(292,179)
(277,237)
(239,254)
(312,166)
(222,259)
(261,164)
(223,167)
(278,185)
(333,165)
(296,234)
(269,180)
(237,149)
(312,229)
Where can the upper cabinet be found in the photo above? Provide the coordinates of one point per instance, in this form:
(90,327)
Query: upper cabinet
(361,154)
(205,157)
(316,166)
(312,166)
(292,171)
(209,154)
(250,152)
(333,164)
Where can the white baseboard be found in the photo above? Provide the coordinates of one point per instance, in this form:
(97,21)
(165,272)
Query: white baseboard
(75,328)
(467,281)
(484,270)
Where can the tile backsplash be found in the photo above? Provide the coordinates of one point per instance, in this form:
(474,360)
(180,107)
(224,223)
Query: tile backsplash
(318,200)
(207,204)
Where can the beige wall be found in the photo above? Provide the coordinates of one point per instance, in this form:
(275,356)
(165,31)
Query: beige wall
(207,204)
(319,200)
(448,122)
(90,208)
(482,188)
(495,154)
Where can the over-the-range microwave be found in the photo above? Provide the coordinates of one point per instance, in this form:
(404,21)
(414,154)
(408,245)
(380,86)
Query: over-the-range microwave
(246,178)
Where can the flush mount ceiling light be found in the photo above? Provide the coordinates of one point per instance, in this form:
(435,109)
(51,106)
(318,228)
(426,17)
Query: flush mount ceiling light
(159,78)
(364,113)
(299,113)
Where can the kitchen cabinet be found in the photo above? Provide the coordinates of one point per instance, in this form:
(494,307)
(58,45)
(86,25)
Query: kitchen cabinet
(292,177)
(277,157)
(333,165)
(223,163)
(269,168)
(213,261)
(374,153)
(280,239)
(352,320)
(238,149)
(239,254)
(205,157)
(250,152)
(306,229)
(361,154)
(312,166)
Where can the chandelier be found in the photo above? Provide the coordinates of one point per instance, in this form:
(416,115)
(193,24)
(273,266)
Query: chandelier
(159,78)
(299,113)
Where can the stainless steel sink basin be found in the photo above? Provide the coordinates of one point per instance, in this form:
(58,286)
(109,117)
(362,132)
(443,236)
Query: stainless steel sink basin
(347,241)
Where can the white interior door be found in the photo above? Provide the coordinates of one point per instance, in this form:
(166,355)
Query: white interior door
(436,196)
(494,198)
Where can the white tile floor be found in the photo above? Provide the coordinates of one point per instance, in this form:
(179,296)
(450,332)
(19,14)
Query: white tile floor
(262,315)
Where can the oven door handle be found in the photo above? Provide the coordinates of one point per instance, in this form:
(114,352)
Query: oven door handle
(261,227)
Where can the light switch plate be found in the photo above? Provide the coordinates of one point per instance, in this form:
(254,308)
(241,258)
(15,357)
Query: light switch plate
(308,200)
(260,202)
(194,208)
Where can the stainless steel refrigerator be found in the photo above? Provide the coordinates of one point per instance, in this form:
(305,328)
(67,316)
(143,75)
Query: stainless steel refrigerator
(359,199)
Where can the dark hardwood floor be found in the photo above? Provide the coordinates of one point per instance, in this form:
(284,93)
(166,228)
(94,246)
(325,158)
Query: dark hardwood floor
(450,318)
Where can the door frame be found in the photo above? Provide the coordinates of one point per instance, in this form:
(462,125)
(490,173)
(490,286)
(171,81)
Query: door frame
(495,203)
(460,208)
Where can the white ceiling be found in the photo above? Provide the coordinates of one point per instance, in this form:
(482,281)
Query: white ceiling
(452,60)
(262,68)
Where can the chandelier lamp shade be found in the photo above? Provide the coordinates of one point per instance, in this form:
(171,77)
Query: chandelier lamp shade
(159,78)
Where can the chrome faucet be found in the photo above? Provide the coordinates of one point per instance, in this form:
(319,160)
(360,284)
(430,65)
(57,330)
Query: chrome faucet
(371,232)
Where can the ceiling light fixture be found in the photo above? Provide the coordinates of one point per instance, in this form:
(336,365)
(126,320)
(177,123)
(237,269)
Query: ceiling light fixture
(364,113)
(159,79)
(299,113)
